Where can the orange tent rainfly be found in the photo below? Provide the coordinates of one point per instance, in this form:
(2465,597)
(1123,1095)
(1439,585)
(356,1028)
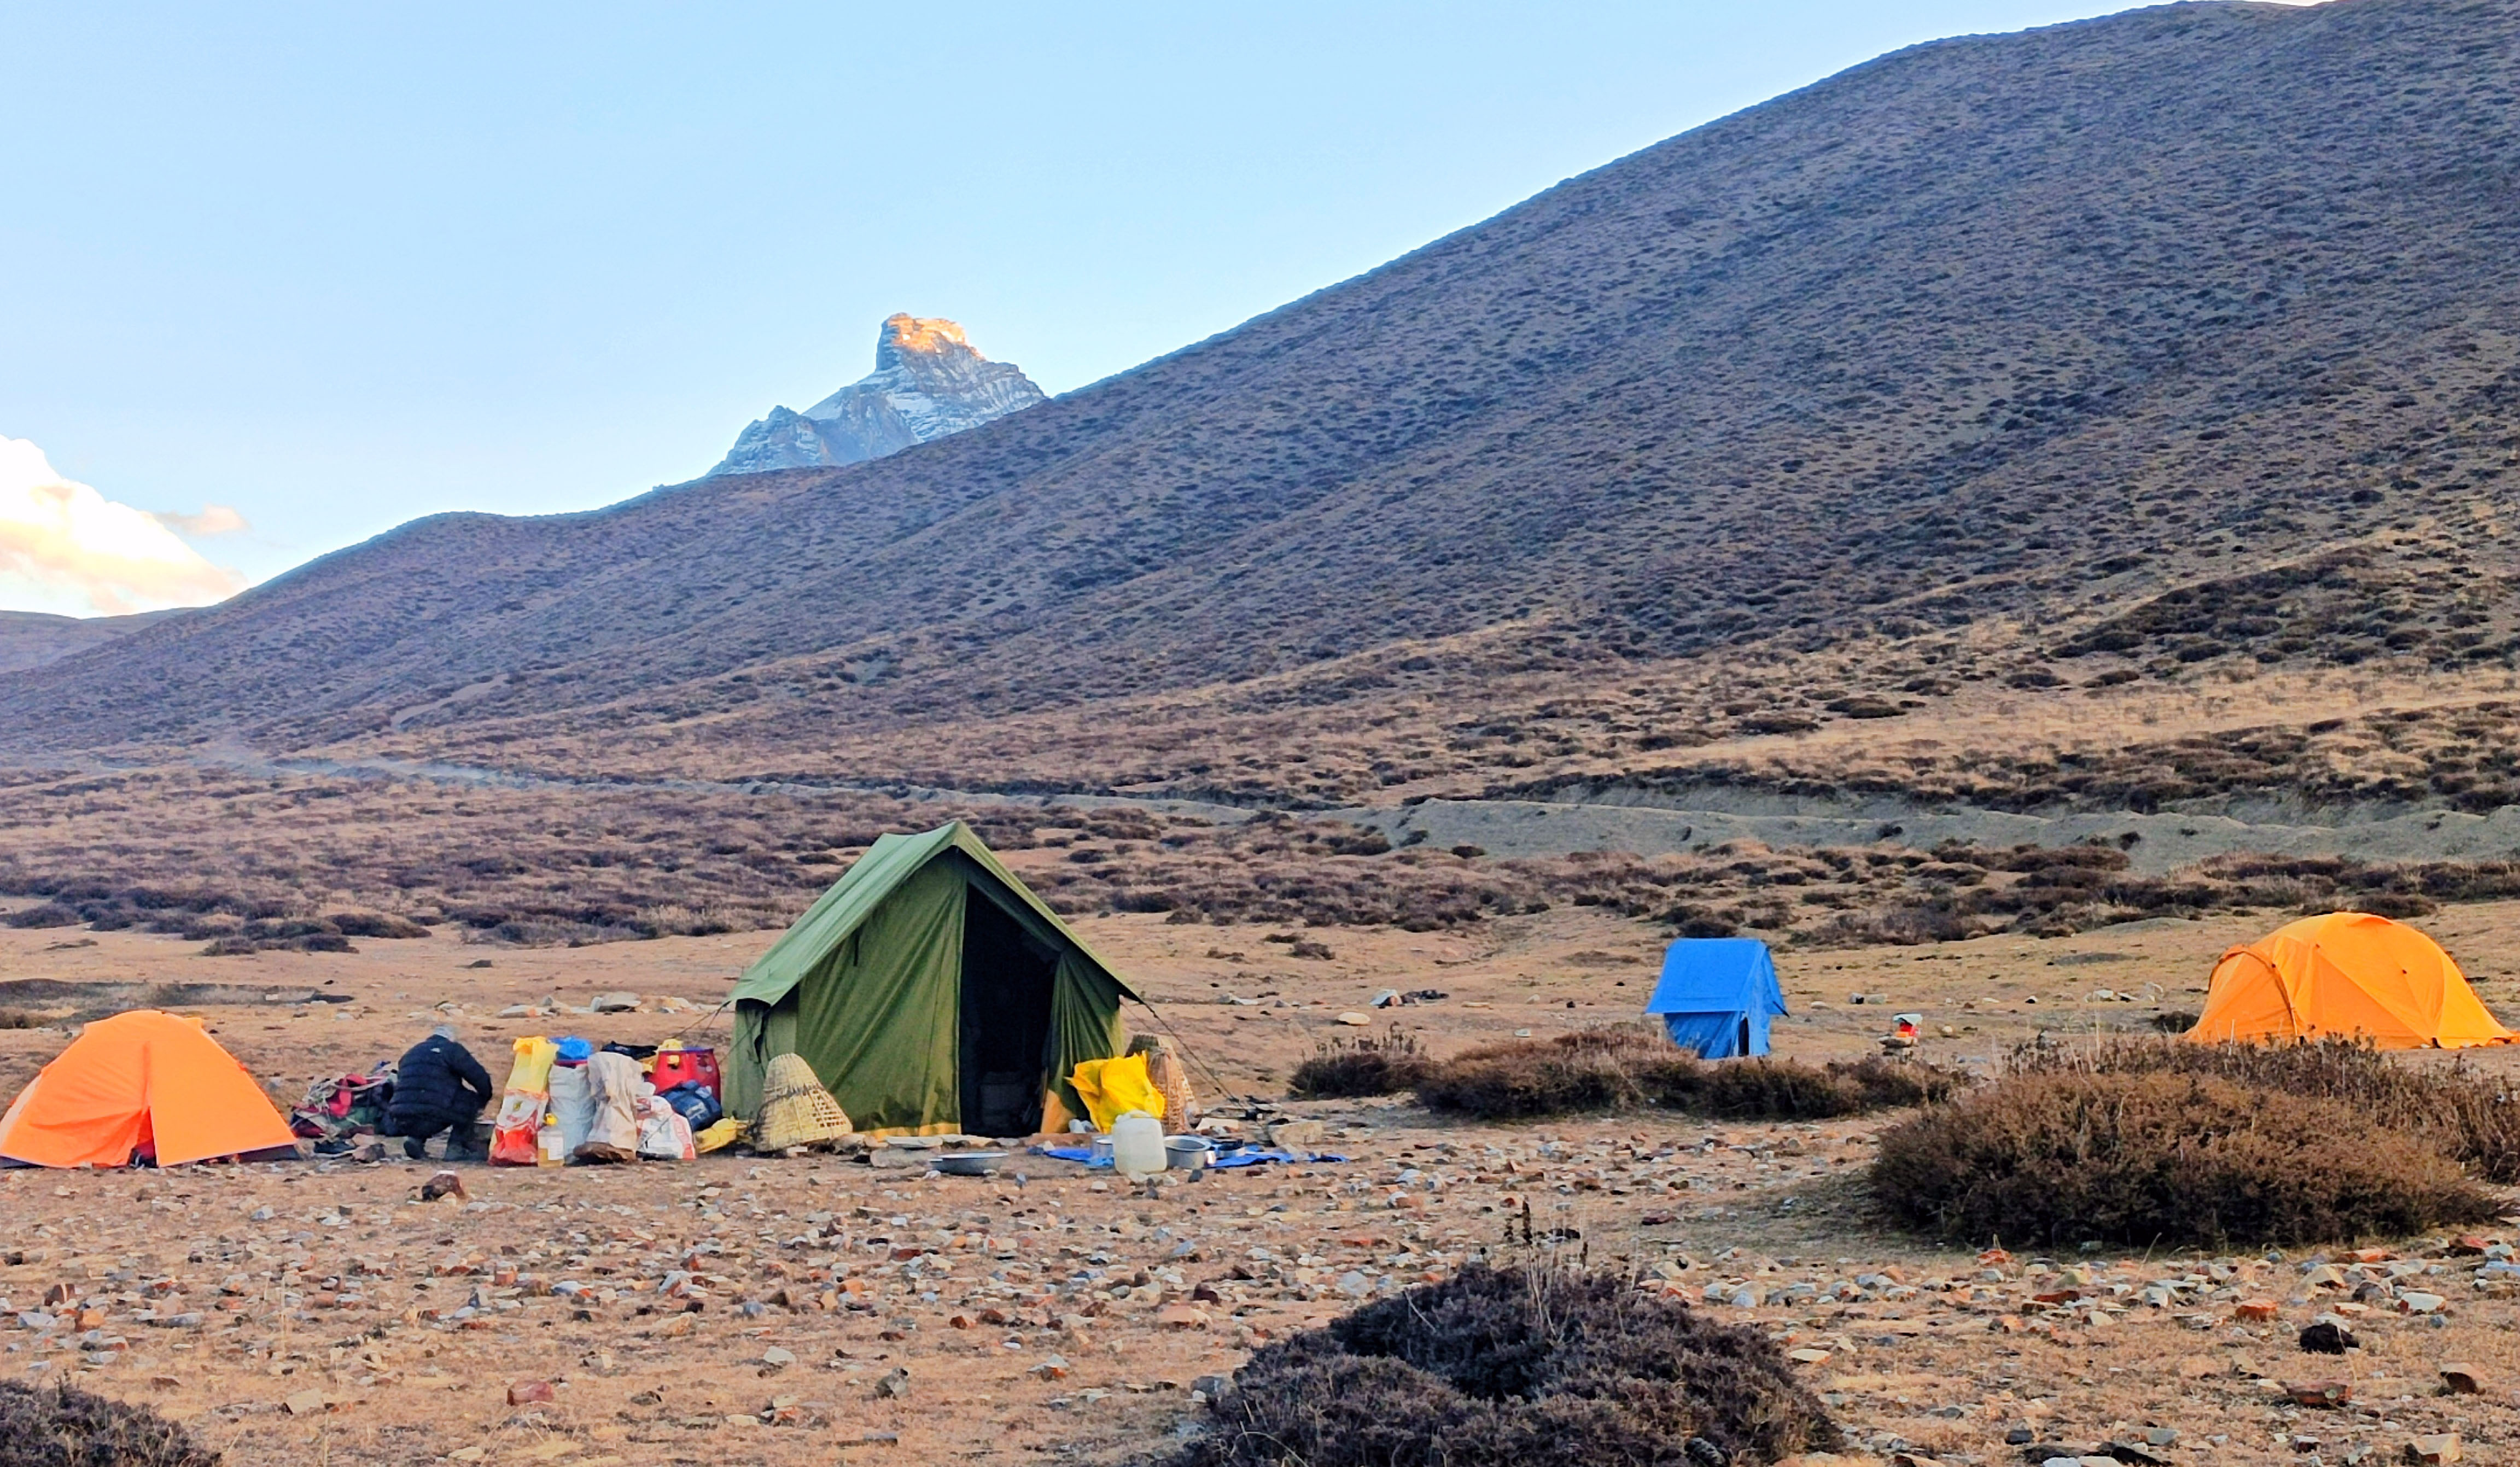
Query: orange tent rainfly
(2347,975)
(140,1083)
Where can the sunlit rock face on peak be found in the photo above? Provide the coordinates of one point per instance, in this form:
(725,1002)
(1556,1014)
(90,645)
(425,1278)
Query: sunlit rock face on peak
(928,383)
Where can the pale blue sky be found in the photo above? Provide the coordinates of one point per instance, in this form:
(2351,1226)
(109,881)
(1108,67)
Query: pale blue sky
(338,266)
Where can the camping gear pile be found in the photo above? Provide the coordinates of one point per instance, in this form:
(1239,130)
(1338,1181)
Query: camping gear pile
(564,1101)
(337,1112)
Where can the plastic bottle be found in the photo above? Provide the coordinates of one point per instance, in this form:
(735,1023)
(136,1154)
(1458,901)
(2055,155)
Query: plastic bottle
(549,1149)
(1136,1145)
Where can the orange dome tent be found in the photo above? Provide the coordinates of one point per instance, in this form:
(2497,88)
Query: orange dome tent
(140,1083)
(2346,975)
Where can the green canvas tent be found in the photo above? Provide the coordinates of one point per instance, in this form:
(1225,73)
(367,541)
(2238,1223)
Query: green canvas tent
(932,993)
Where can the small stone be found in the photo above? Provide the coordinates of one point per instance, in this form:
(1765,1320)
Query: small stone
(1808,1356)
(2435,1449)
(2417,1302)
(1213,1387)
(2254,1308)
(894,1386)
(615,1002)
(530,1393)
(305,1403)
(1355,1020)
(778,1358)
(1054,1367)
(2459,1380)
(1298,1134)
(1181,1317)
(2322,1395)
(2327,1338)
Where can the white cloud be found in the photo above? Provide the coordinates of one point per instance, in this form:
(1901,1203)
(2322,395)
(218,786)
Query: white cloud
(66,548)
(214,519)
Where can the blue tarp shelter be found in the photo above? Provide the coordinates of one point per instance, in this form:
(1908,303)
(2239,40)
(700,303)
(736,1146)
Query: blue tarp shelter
(1717,994)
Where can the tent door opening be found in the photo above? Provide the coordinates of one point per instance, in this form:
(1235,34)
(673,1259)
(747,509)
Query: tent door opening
(1005,1036)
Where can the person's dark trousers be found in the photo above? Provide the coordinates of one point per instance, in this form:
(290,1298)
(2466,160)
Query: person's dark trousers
(464,1142)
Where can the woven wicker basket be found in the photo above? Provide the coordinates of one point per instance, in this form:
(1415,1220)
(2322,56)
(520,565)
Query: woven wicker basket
(795,1109)
(1170,1078)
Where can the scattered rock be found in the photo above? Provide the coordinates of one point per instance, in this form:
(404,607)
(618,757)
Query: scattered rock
(308,1403)
(1292,1135)
(1355,1020)
(2459,1380)
(2328,1338)
(615,1002)
(531,1392)
(2254,1308)
(2435,1449)
(443,1184)
(2325,1395)
(1054,1367)
(894,1386)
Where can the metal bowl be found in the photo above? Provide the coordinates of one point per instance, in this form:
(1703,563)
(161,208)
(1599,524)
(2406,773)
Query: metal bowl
(968,1163)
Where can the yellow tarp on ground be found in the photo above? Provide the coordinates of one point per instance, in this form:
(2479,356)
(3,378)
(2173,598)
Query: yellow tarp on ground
(2348,974)
(1112,1087)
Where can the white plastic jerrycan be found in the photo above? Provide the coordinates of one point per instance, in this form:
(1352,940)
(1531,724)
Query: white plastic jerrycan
(1136,1145)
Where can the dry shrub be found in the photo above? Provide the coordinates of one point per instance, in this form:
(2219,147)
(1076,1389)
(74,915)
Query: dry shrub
(1615,1069)
(1786,1089)
(61,1427)
(1342,1068)
(2460,1111)
(1514,1367)
(384,925)
(2162,1158)
(1632,1067)
(48,915)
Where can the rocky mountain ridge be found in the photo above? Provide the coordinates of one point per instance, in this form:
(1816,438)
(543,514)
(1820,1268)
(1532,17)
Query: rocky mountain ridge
(928,383)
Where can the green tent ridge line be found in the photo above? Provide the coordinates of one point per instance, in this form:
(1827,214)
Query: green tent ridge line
(932,992)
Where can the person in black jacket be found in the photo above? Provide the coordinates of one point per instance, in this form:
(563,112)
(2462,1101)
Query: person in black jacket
(438,1086)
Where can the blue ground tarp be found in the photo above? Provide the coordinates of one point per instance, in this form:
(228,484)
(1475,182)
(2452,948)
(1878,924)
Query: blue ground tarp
(1717,994)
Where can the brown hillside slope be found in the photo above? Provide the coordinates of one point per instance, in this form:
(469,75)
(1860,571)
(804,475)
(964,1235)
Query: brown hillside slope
(33,638)
(2175,342)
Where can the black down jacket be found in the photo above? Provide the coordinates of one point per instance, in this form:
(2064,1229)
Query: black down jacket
(439,1080)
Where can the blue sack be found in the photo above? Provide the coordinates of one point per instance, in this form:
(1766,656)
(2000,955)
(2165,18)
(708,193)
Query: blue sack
(694,1104)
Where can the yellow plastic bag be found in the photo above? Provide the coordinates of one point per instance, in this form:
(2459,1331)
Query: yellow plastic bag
(532,1071)
(1112,1087)
(717,1137)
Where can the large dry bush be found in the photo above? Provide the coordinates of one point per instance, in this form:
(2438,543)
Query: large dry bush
(57,1426)
(2460,1111)
(1369,1065)
(2047,1159)
(1514,1368)
(1632,1067)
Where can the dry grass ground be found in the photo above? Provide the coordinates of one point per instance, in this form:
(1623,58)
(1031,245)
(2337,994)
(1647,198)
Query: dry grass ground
(1947,1369)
